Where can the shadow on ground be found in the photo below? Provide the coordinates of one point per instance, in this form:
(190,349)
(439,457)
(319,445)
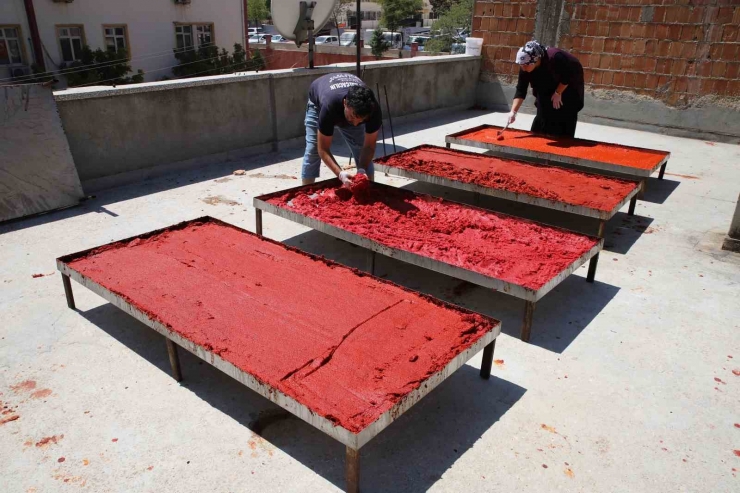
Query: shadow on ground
(410,455)
(658,191)
(559,317)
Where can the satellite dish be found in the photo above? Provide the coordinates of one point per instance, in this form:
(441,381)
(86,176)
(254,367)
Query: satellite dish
(287,13)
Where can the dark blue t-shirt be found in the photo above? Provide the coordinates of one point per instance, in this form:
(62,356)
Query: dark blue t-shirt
(328,93)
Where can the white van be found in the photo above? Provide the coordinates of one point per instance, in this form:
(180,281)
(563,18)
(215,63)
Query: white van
(347,38)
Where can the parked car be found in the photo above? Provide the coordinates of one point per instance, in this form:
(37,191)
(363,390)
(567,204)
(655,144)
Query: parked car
(393,39)
(347,38)
(254,30)
(261,38)
(327,40)
(420,40)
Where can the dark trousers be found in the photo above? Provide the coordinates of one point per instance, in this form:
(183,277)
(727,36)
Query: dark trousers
(555,123)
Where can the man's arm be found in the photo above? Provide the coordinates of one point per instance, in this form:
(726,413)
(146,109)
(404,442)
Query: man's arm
(324,142)
(368,151)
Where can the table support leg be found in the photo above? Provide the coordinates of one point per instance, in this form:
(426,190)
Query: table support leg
(68,291)
(448,145)
(258,221)
(527,323)
(633,203)
(662,170)
(485,367)
(174,360)
(371,262)
(352,470)
(592,268)
(602,226)
(643,189)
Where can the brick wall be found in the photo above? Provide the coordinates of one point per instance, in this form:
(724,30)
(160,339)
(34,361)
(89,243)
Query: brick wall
(672,50)
(504,26)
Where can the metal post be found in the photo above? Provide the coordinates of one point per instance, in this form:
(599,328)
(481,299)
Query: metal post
(382,127)
(633,203)
(390,120)
(258,221)
(310,44)
(448,145)
(485,367)
(662,170)
(352,470)
(357,39)
(68,291)
(174,360)
(527,323)
(643,189)
(592,268)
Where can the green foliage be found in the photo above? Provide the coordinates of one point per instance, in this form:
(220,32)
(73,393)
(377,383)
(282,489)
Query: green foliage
(439,7)
(258,10)
(210,60)
(395,11)
(105,67)
(456,20)
(378,44)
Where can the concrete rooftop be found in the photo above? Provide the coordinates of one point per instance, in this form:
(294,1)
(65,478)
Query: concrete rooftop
(627,384)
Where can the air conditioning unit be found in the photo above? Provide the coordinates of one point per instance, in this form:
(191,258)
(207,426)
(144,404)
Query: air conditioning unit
(19,72)
(182,2)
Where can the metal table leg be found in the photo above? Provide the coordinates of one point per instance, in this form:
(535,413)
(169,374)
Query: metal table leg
(448,145)
(352,470)
(633,203)
(485,367)
(662,170)
(527,323)
(68,291)
(592,268)
(258,221)
(602,226)
(174,360)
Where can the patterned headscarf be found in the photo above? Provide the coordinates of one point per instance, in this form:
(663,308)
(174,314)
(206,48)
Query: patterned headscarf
(530,53)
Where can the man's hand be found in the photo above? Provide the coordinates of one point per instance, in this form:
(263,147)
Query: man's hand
(346,178)
(557,100)
(512,117)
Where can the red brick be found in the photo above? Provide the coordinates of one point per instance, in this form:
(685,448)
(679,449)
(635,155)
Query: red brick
(714,33)
(684,13)
(651,47)
(607,78)
(661,31)
(605,61)
(706,86)
(640,80)
(627,62)
(507,10)
(715,51)
(720,87)
(515,10)
(733,88)
(671,14)
(619,79)
(664,47)
(718,69)
(733,70)
(610,45)
(678,67)
(663,82)
(593,28)
(598,45)
(651,82)
(480,9)
(729,33)
(662,66)
(629,79)
(675,50)
(659,14)
(638,46)
(674,32)
(597,77)
(602,29)
(694,85)
(650,64)
(688,50)
(704,69)
(736,17)
(697,15)
(725,15)
(681,84)
(498,9)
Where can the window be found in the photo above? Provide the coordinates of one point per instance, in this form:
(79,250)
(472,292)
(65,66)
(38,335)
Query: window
(194,35)
(10,46)
(116,38)
(71,40)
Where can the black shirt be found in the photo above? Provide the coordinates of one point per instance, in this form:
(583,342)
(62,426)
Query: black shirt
(557,67)
(328,93)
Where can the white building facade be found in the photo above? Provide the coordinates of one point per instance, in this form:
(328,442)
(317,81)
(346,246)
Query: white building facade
(149,30)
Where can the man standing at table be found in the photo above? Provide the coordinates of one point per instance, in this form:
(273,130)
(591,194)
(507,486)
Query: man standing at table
(344,102)
(556,78)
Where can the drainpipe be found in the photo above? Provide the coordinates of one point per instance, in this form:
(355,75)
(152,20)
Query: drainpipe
(38,52)
(246,29)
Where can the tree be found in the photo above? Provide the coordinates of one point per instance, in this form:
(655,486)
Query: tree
(378,44)
(105,67)
(450,25)
(396,11)
(258,11)
(439,7)
(340,8)
(210,60)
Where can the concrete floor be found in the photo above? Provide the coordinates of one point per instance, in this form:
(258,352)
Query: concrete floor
(627,384)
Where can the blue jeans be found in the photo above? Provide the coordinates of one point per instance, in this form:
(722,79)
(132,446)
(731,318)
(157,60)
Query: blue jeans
(353,136)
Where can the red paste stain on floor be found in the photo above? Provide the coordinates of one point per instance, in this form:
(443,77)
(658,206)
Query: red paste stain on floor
(548,428)
(291,332)
(688,177)
(8,419)
(719,380)
(25,386)
(736,372)
(736,452)
(47,441)
(544,182)
(495,245)
(574,148)
(499,363)
(40,394)
(569,472)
